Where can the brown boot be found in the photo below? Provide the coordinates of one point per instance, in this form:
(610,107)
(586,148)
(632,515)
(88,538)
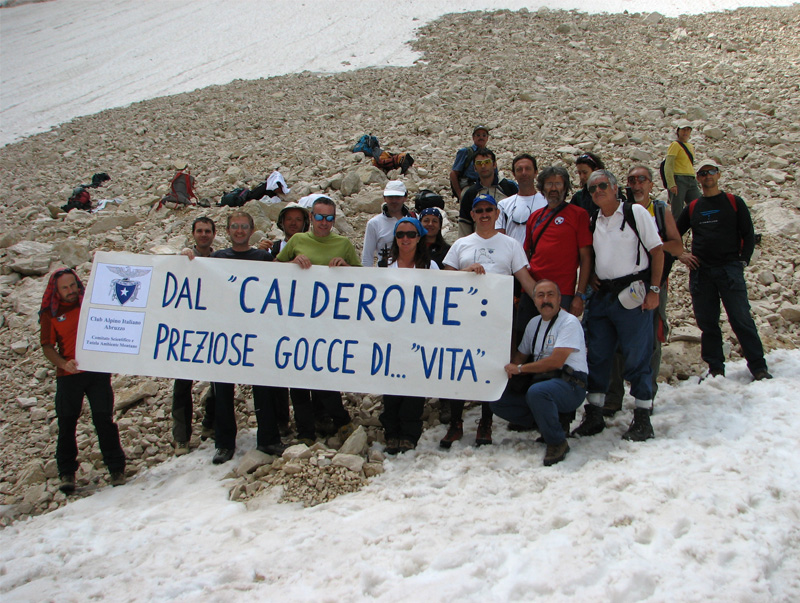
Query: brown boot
(454,433)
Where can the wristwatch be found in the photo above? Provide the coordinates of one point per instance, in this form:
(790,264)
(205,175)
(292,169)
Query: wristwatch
(655,289)
(581,295)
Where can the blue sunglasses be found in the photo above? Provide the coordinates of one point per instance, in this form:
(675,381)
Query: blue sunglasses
(320,218)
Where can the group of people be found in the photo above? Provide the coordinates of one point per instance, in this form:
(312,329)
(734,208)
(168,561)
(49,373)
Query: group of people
(589,313)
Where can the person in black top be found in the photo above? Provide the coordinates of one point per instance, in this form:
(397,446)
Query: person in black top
(265,398)
(722,245)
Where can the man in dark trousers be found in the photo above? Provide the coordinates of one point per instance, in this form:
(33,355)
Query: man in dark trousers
(58,316)
(722,245)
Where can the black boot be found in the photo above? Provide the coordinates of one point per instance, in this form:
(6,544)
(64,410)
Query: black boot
(593,422)
(640,429)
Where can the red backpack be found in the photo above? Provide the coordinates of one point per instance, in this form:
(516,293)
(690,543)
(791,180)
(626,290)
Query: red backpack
(181,190)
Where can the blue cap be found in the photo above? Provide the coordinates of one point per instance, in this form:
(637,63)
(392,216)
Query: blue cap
(484,197)
(415,223)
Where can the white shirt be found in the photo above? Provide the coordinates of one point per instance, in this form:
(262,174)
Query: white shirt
(515,211)
(378,235)
(499,254)
(615,250)
(567,332)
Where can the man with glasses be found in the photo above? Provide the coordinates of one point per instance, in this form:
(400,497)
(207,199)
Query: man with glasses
(463,173)
(516,209)
(488,184)
(640,183)
(723,240)
(628,266)
(266,399)
(485,250)
(321,247)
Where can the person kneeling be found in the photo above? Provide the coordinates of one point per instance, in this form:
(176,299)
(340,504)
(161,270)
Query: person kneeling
(547,373)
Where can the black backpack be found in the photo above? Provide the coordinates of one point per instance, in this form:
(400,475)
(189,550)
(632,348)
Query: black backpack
(236,198)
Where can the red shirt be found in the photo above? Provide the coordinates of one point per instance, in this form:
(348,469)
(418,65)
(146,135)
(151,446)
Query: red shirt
(556,257)
(61,331)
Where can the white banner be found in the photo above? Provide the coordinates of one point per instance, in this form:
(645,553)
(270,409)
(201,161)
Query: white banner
(374,330)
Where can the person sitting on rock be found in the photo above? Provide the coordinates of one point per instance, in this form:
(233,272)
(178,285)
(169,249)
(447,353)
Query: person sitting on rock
(81,199)
(58,317)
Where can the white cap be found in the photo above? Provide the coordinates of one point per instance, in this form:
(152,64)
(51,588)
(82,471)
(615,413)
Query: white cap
(395,188)
(633,295)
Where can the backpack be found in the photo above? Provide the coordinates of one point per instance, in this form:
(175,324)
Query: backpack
(80,199)
(368,145)
(236,198)
(181,190)
(467,162)
(391,161)
(427,198)
(664,161)
(628,218)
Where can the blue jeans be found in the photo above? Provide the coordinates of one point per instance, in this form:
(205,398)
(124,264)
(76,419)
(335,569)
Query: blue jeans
(710,284)
(540,407)
(611,325)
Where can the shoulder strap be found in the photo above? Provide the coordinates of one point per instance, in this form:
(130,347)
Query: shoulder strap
(546,224)
(688,154)
(659,212)
(627,213)
(470,156)
(733,203)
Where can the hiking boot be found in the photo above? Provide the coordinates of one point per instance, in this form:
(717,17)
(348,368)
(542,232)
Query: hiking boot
(275,449)
(207,432)
(67,485)
(405,446)
(223,455)
(345,431)
(284,429)
(593,422)
(611,407)
(392,446)
(181,448)
(454,433)
(555,453)
(325,426)
(566,419)
(762,374)
(484,435)
(117,478)
(307,441)
(640,429)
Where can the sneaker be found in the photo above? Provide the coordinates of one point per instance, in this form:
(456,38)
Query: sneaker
(555,453)
(405,446)
(117,478)
(640,429)
(392,446)
(345,431)
(454,433)
(593,422)
(275,449)
(67,485)
(762,374)
(181,448)
(223,455)
(206,433)
(484,435)
(611,407)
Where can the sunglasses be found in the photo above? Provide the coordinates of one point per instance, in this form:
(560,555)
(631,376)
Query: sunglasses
(601,185)
(321,217)
(711,172)
(239,227)
(482,162)
(639,179)
(482,210)
(588,160)
(402,234)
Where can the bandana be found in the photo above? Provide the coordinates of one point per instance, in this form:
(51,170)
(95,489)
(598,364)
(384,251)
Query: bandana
(51,300)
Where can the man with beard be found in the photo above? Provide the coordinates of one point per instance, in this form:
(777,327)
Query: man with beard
(552,358)
(58,317)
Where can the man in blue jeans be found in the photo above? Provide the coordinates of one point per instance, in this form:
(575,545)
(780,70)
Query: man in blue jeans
(629,260)
(553,351)
(722,245)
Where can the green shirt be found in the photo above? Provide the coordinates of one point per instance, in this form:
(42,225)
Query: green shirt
(320,250)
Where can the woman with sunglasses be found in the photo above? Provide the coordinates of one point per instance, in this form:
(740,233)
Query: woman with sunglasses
(432,221)
(402,415)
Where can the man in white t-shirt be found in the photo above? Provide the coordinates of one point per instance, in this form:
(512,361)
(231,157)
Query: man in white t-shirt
(554,352)
(379,234)
(628,266)
(485,250)
(516,209)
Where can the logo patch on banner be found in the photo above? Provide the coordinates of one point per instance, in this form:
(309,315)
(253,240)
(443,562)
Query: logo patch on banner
(130,287)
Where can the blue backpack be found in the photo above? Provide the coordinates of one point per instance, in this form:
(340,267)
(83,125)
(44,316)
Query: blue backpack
(368,145)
